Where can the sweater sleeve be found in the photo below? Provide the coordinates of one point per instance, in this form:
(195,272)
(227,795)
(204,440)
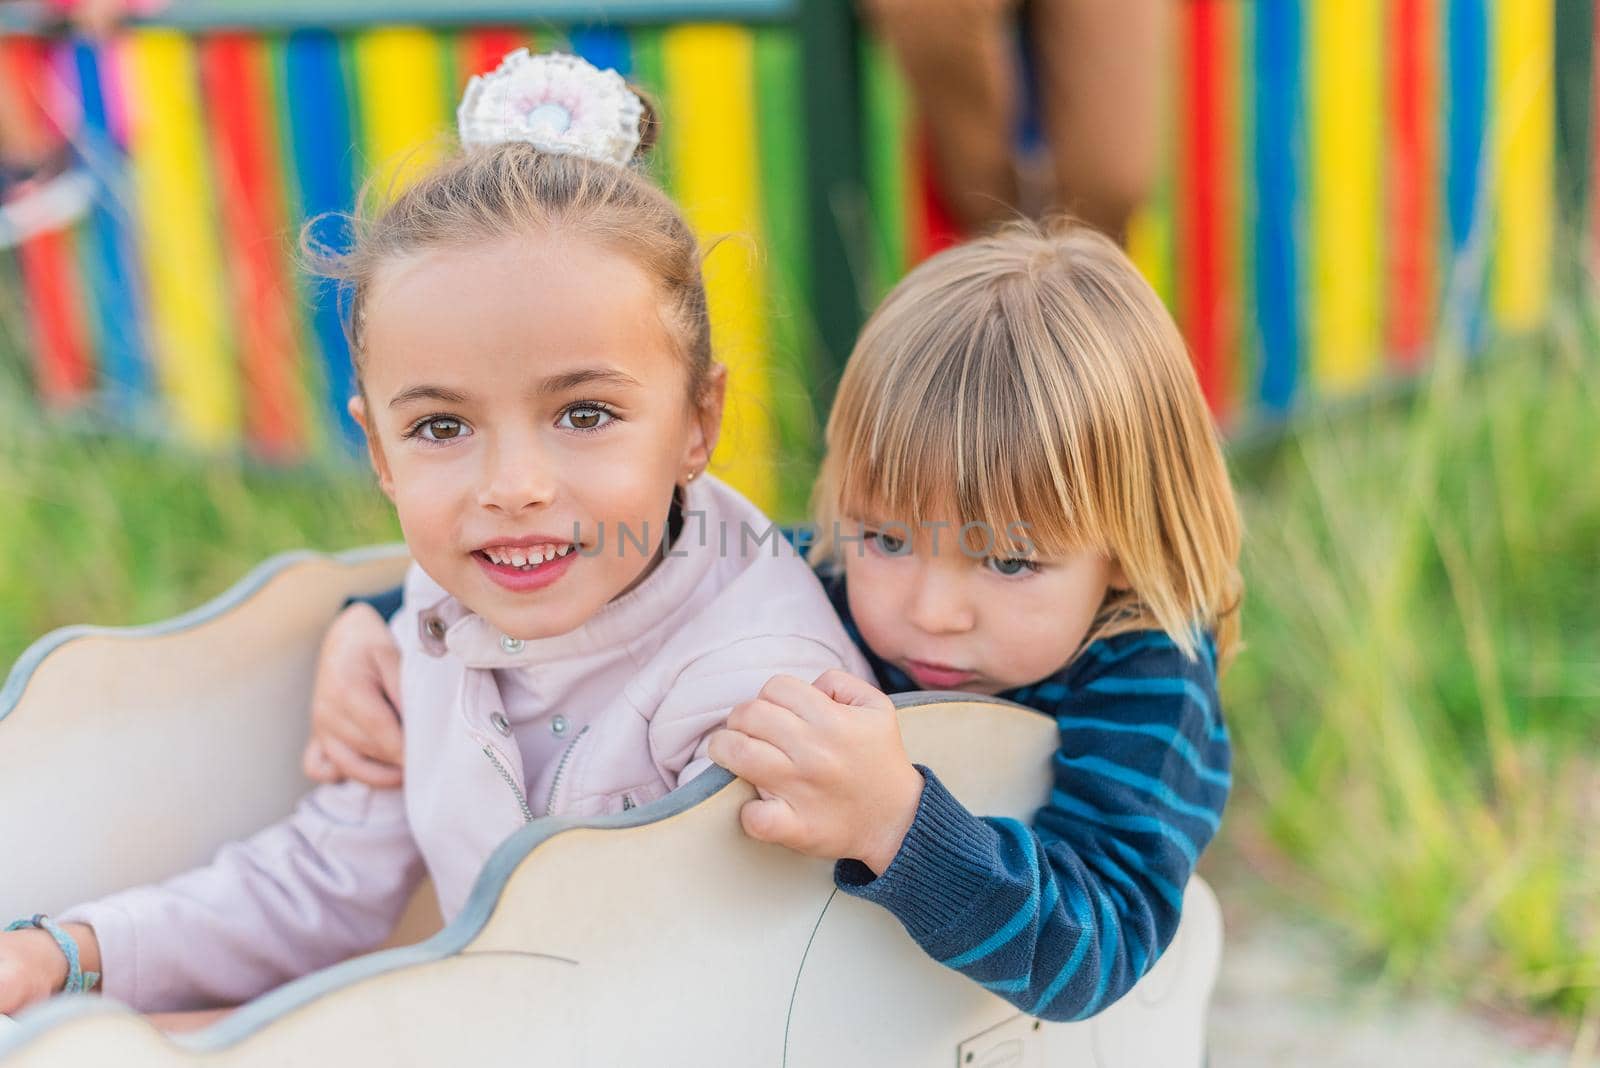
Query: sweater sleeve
(1063,916)
(326,883)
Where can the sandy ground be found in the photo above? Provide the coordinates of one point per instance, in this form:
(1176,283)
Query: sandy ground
(1282,1002)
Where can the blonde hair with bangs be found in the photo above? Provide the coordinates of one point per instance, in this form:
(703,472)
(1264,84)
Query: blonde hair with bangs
(1034,377)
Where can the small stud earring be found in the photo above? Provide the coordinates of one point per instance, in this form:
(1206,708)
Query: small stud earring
(691,476)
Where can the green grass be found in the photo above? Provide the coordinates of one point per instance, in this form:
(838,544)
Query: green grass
(112,531)
(1416,705)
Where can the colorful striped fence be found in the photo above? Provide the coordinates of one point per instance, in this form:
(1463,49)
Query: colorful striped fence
(180,293)
(1338,169)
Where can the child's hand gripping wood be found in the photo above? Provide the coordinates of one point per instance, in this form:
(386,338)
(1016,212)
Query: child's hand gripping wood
(832,772)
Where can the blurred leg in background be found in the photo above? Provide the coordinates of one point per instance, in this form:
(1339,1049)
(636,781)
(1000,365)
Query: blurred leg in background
(1099,71)
(1102,73)
(959,57)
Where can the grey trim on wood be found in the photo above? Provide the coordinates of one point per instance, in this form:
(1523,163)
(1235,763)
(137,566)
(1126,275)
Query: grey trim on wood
(231,598)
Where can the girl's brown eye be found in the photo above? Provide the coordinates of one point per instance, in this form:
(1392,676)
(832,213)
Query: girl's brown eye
(443,429)
(585,417)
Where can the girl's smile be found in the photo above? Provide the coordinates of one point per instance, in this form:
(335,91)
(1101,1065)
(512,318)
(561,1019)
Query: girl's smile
(527,564)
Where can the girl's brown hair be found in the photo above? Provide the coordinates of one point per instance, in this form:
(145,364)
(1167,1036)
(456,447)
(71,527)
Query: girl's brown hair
(1034,376)
(516,190)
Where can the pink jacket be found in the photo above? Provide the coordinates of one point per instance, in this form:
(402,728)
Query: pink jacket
(649,677)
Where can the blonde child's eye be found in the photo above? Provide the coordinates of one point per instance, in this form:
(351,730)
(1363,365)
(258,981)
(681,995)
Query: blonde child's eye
(585,417)
(439,428)
(888,544)
(1011,566)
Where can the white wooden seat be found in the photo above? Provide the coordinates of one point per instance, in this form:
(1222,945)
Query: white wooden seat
(659,936)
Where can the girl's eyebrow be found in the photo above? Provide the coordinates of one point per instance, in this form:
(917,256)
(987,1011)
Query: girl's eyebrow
(438,393)
(586,376)
(554,384)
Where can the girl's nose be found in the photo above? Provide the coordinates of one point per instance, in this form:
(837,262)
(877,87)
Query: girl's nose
(518,477)
(939,604)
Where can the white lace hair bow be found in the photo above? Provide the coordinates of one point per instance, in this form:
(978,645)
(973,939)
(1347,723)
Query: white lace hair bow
(556,102)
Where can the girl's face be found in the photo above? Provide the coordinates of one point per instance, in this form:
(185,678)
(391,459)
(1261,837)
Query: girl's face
(955,622)
(529,416)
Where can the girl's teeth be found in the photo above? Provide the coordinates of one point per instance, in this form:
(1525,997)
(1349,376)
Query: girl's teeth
(526,558)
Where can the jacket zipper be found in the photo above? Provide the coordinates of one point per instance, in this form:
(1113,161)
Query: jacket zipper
(522,801)
(549,803)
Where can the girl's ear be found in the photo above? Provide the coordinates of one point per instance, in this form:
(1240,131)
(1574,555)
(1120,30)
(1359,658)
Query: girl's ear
(1117,579)
(708,419)
(380,464)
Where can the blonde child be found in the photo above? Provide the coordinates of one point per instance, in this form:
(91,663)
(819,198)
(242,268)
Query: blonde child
(539,397)
(1023,496)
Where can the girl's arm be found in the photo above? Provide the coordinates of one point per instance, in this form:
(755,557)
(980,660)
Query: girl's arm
(1063,916)
(326,883)
(33,967)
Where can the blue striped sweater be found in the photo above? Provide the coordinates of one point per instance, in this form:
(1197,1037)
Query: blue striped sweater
(1061,916)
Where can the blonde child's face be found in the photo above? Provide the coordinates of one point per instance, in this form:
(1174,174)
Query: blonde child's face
(524,406)
(955,622)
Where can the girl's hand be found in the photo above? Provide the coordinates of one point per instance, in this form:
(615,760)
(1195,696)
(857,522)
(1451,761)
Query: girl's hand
(827,759)
(355,702)
(32,966)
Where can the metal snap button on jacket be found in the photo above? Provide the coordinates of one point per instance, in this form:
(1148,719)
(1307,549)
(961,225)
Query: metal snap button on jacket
(510,644)
(501,724)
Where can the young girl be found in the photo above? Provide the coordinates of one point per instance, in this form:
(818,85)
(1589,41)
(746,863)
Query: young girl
(1023,496)
(540,402)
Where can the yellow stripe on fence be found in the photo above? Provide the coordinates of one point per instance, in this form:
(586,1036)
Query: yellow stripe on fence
(1523,121)
(177,229)
(710,83)
(400,77)
(1345,118)
(1149,247)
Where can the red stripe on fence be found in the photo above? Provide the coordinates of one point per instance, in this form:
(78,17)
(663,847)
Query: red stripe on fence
(233,70)
(50,277)
(1413,92)
(482,50)
(1206,317)
(933,225)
